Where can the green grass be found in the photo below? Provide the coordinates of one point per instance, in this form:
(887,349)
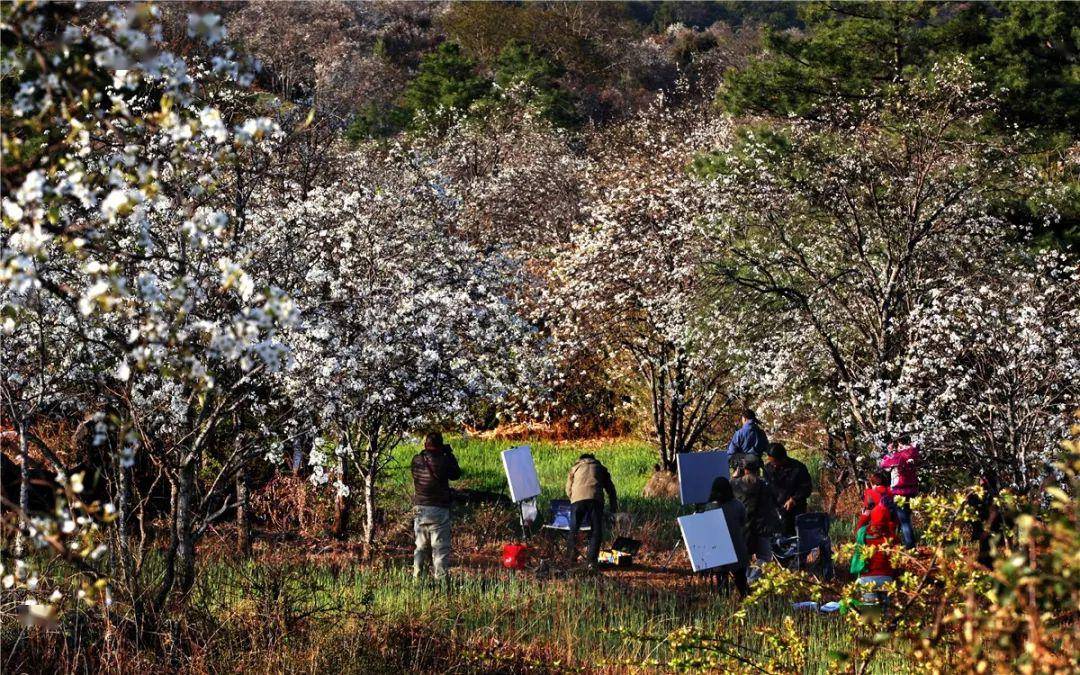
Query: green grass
(595,622)
(629,461)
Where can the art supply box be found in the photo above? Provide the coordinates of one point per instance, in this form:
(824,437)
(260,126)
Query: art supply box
(621,553)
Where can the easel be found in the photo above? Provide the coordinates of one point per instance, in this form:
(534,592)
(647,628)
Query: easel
(531,501)
(678,542)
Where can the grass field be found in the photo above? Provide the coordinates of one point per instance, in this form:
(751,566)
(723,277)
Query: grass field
(530,620)
(630,462)
(305,606)
(492,615)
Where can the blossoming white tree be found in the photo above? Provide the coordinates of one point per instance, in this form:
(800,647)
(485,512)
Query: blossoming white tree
(403,324)
(852,229)
(43,364)
(633,282)
(519,180)
(133,230)
(994,376)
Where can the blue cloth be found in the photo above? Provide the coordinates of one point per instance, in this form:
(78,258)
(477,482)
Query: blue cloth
(907,532)
(750,438)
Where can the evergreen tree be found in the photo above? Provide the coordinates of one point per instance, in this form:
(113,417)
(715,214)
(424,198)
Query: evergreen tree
(521,66)
(446,84)
(376,121)
(1029,52)
(1031,56)
(1028,55)
(849,50)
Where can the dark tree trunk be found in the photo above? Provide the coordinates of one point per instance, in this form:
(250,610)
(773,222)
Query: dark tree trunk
(185,517)
(125,561)
(169,575)
(243,523)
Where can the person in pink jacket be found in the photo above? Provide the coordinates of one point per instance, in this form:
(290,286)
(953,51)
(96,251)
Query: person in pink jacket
(902,461)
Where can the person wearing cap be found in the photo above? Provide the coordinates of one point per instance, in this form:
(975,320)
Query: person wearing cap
(791,485)
(432,470)
(754,493)
(750,438)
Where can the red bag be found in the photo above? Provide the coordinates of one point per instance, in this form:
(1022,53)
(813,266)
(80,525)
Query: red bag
(515,556)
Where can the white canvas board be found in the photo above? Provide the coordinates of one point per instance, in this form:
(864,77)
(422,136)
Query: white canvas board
(697,471)
(707,540)
(521,473)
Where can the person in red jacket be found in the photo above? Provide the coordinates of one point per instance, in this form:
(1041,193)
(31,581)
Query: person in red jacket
(878,492)
(879,570)
(902,461)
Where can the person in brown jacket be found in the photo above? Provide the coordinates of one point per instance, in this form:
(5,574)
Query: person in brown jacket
(432,471)
(585,486)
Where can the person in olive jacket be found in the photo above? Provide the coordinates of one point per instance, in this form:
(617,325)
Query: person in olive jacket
(586,484)
(790,483)
(432,470)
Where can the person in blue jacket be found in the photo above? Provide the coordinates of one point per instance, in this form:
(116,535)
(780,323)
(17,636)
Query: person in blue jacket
(750,438)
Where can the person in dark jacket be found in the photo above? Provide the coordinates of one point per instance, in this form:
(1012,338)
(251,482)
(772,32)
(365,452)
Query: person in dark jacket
(750,437)
(722,497)
(790,483)
(432,470)
(586,484)
(754,493)
(988,524)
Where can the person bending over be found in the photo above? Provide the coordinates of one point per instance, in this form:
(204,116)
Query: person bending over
(586,484)
(754,493)
(790,483)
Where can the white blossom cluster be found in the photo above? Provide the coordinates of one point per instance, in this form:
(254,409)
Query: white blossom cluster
(875,240)
(403,325)
(123,291)
(633,283)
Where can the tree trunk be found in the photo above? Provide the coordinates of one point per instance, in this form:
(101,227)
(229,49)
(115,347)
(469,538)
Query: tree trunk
(185,517)
(243,522)
(169,574)
(343,504)
(369,500)
(124,559)
(24,490)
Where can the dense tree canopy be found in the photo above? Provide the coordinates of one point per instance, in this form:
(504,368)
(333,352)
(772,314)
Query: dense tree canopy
(1026,53)
(326,228)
